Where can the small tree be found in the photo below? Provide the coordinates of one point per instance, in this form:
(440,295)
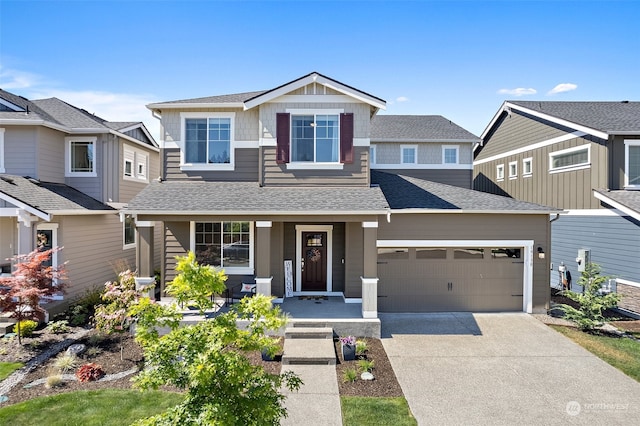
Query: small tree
(196,283)
(31,282)
(208,361)
(592,302)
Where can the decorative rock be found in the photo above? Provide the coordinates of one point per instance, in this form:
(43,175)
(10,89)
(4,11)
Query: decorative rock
(76,349)
(3,398)
(366,376)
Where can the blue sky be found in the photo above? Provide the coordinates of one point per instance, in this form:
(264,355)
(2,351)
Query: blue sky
(460,59)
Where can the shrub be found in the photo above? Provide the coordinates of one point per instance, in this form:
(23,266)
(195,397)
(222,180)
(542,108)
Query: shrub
(57,327)
(65,362)
(96,339)
(25,328)
(350,375)
(93,351)
(53,381)
(90,372)
(361,347)
(365,365)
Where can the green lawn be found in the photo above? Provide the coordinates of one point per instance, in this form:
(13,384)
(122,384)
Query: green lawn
(376,411)
(7,368)
(622,353)
(101,407)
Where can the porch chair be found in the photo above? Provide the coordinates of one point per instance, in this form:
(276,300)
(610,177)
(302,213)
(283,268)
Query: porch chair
(239,291)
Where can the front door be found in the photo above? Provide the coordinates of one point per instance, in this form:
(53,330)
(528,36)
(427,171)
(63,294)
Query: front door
(314,261)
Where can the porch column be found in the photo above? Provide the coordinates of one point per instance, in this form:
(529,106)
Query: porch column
(25,232)
(145,255)
(370,270)
(263,257)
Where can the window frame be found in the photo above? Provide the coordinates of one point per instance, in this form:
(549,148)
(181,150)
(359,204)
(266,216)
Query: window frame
(305,165)
(372,155)
(142,175)
(457,150)
(513,166)
(184,116)
(243,270)
(125,244)
(525,161)
(69,141)
(2,169)
(415,154)
(627,144)
(572,167)
(500,172)
(130,162)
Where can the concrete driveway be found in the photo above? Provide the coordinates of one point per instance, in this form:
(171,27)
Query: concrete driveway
(489,369)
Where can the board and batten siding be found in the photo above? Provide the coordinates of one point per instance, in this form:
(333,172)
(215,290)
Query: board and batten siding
(50,155)
(245,168)
(354,259)
(19,147)
(448,227)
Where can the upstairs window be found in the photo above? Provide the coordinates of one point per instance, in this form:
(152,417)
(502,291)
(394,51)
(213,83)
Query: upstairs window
(208,141)
(527,169)
(314,138)
(81,157)
(569,159)
(513,169)
(632,163)
(408,154)
(449,154)
(500,172)
(128,168)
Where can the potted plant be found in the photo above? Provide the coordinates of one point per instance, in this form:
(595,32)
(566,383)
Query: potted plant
(348,348)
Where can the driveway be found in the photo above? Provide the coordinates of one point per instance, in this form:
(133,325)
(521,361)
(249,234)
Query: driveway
(489,369)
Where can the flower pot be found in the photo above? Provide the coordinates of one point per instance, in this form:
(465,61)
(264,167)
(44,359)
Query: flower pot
(348,352)
(266,357)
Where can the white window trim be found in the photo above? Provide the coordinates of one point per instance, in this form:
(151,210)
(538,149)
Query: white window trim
(124,171)
(183,144)
(67,157)
(312,165)
(228,270)
(372,155)
(53,227)
(456,147)
(627,144)
(142,175)
(415,157)
(524,169)
(500,172)
(135,235)
(567,151)
(2,169)
(513,165)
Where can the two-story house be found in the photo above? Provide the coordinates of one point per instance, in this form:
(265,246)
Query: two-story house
(276,187)
(64,175)
(583,157)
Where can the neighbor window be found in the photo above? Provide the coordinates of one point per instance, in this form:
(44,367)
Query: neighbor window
(372,154)
(450,154)
(141,172)
(527,169)
(2,169)
(513,169)
(500,172)
(409,154)
(315,138)
(128,168)
(224,245)
(569,159)
(129,231)
(81,157)
(632,163)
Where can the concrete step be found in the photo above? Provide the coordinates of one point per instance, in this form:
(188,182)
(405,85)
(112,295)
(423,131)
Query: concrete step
(309,351)
(308,333)
(6,327)
(6,317)
(307,324)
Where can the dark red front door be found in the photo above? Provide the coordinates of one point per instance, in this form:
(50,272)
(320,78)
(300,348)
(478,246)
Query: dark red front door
(314,261)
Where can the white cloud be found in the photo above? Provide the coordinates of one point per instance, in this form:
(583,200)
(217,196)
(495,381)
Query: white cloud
(562,87)
(13,79)
(402,99)
(520,91)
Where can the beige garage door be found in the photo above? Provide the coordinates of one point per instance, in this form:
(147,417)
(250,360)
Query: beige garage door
(475,279)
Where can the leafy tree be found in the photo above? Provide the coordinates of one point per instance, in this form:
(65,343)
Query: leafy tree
(208,361)
(592,302)
(196,283)
(31,282)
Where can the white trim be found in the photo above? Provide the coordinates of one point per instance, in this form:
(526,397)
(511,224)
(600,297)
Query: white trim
(132,245)
(372,156)
(513,170)
(145,224)
(329,246)
(524,170)
(315,111)
(250,270)
(247,144)
(572,167)
(630,212)
(370,224)
(8,212)
(22,206)
(53,227)
(67,146)
(361,141)
(2,169)
(243,213)
(425,140)
(171,144)
(352,299)
(268,142)
(627,282)
(527,278)
(310,165)
(627,144)
(531,147)
(418,166)
(415,157)
(456,148)
(593,212)
(184,105)
(183,143)
(316,99)
(264,224)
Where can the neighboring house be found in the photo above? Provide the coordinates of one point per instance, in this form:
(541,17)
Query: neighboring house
(64,175)
(255,182)
(428,147)
(583,157)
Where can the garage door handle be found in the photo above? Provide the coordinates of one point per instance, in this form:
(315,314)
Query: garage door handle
(516,295)
(381,296)
(518,262)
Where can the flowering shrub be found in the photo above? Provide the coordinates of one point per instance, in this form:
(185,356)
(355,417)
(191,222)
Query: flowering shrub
(25,328)
(89,372)
(349,340)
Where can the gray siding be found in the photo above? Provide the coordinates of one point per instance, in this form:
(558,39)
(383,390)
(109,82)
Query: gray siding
(355,174)
(246,167)
(354,259)
(617,162)
(614,242)
(277,259)
(428,152)
(19,149)
(93,186)
(50,155)
(461,178)
(129,187)
(176,243)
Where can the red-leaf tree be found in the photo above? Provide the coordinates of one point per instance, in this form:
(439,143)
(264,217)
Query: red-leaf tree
(31,281)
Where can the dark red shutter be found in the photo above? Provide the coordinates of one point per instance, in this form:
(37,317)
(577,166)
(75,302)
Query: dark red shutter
(346,138)
(283,130)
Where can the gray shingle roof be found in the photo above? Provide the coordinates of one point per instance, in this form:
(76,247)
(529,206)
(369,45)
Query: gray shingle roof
(417,128)
(249,197)
(68,115)
(609,117)
(48,197)
(220,99)
(629,199)
(117,125)
(403,192)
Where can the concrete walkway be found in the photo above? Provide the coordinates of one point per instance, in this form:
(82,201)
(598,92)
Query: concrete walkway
(502,369)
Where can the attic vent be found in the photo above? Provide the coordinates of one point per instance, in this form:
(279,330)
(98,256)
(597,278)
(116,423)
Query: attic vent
(7,179)
(33,180)
(625,102)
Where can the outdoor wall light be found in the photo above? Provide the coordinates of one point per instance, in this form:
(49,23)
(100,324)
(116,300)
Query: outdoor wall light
(540,253)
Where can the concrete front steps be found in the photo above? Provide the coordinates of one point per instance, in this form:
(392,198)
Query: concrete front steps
(308,344)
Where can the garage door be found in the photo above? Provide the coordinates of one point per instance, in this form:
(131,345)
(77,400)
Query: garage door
(475,279)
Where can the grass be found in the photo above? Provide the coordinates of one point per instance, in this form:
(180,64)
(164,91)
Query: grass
(376,411)
(101,407)
(622,353)
(7,368)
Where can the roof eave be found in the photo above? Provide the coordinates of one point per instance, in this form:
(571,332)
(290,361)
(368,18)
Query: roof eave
(254,212)
(24,206)
(412,140)
(616,205)
(466,211)
(182,105)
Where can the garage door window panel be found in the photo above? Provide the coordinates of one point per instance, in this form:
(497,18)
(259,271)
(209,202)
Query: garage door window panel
(431,253)
(506,253)
(393,253)
(468,253)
